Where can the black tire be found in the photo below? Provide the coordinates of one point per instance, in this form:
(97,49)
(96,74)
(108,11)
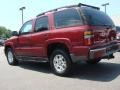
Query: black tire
(93,61)
(13,60)
(66,65)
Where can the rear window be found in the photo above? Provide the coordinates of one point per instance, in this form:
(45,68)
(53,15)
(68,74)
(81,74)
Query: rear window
(118,29)
(66,18)
(97,17)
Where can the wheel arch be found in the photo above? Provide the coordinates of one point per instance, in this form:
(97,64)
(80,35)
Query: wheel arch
(57,45)
(8,46)
(52,44)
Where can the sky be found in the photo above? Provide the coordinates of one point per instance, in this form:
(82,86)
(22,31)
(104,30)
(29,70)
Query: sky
(10,15)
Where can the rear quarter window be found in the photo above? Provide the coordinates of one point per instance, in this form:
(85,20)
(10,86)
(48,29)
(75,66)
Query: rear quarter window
(67,17)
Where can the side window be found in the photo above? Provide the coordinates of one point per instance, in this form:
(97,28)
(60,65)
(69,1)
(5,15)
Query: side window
(41,24)
(26,28)
(65,18)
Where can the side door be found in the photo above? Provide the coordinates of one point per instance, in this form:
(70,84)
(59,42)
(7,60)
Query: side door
(40,35)
(24,40)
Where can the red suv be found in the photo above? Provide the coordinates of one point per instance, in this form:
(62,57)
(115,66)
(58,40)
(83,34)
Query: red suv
(64,36)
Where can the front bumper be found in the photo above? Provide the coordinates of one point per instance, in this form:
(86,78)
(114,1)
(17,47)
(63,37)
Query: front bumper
(97,53)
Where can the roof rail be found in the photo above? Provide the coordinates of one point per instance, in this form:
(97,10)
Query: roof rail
(80,5)
(57,9)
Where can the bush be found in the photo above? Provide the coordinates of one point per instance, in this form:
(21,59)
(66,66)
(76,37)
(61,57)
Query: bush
(5,33)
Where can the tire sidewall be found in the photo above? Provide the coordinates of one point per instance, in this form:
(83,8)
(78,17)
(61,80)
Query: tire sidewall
(14,60)
(68,62)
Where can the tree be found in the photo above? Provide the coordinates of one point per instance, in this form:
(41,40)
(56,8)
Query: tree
(5,33)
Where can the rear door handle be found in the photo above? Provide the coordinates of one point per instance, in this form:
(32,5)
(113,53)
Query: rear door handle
(46,35)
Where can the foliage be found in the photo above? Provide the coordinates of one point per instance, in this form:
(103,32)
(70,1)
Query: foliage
(5,33)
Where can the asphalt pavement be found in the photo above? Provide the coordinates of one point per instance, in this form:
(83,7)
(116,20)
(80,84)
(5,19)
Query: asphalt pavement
(38,76)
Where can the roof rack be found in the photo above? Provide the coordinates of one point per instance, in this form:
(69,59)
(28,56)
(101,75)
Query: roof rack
(79,5)
(57,9)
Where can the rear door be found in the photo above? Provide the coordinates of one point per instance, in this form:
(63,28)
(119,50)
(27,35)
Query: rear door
(38,38)
(101,24)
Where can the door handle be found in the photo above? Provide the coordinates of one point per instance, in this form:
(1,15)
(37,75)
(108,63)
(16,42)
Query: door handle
(45,35)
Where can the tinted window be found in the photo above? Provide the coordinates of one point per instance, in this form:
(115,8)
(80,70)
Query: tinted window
(69,17)
(26,28)
(118,29)
(97,17)
(41,24)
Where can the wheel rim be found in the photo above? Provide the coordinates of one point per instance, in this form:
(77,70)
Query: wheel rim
(10,57)
(59,63)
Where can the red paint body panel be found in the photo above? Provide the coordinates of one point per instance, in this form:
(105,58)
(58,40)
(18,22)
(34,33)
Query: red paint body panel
(36,43)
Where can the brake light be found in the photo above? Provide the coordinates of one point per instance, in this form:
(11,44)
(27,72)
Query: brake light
(88,38)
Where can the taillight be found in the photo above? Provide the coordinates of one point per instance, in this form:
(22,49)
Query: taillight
(88,38)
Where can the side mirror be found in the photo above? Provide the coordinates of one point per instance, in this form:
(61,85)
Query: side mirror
(14,33)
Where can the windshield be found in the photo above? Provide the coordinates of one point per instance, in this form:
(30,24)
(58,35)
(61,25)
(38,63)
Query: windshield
(97,17)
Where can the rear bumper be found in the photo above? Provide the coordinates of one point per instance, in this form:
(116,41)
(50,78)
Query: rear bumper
(119,43)
(96,53)
(102,52)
